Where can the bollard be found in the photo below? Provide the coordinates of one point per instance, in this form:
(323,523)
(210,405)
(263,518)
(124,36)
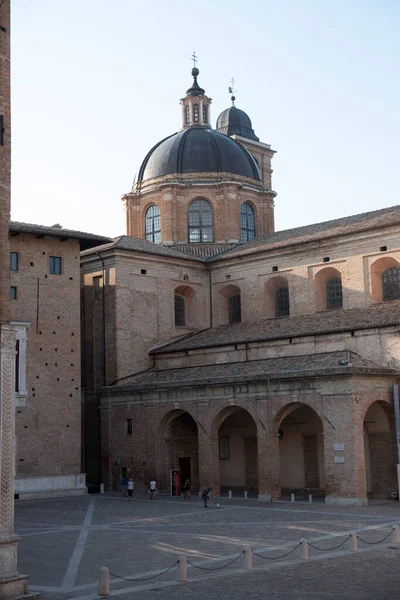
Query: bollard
(182,569)
(353,542)
(104,582)
(230,494)
(304,549)
(395,534)
(102,488)
(247,558)
(245,494)
(200,494)
(291,497)
(310,498)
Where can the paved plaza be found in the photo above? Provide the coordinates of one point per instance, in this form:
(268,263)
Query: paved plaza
(65,541)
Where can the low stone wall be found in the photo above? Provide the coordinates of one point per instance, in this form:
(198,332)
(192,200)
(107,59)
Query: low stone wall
(51,486)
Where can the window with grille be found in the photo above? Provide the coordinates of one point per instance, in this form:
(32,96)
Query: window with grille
(187,117)
(55,265)
(391,284)
(196,113)
(235,313)
(333,288)
(282,302)
(201,221)
(247,223)
(205,119)
(153,224)
(14,261)
(179,311)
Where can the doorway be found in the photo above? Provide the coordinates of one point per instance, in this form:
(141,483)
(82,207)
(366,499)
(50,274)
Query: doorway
(185,468)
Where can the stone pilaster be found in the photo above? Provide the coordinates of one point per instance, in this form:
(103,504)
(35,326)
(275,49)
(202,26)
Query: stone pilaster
(268,467)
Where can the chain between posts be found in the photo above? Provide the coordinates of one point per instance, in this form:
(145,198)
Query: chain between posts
(216,568)
(144,578)
(373,543)
(330,549)
(276,557)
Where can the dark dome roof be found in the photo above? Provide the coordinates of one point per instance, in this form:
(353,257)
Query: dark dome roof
(233,120)
(197,150)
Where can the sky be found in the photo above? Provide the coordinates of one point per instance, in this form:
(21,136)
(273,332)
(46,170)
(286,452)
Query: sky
(96,83)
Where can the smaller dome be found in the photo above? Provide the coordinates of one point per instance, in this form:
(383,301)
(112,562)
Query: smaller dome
(235,121)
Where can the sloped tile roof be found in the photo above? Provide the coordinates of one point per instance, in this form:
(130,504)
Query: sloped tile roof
(327,363)
(382,314)
(126,242)
(204,251)
(16,227)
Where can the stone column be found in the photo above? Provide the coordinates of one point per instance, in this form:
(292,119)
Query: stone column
(268,466)
(11,583)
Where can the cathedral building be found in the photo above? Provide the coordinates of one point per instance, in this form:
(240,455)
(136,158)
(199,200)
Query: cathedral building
(244,358)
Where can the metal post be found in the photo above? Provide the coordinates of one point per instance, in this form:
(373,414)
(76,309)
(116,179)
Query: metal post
(395,534)
(291,497)
(353,542)
(230,494)
(247,558)
(102,488)
(104,582)
(310,498)
(304,549)
(397,424)
(182,569)
(245,494)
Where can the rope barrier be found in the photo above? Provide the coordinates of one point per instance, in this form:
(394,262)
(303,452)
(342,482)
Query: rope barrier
(373,543)
(216,568)
(144,578)
(276,557)
(329,549)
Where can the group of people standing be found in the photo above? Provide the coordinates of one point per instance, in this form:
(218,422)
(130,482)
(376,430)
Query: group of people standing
(127,487)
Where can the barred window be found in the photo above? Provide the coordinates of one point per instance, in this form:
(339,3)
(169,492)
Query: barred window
(333,288)
(187,117)
(179,311)
(153,224)
(391,284)
(201,228)
(205,119)
(247,223)
(196,113)
(235,313)
(282,308)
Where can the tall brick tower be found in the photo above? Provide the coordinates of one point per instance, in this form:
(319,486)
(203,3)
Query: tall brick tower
(11,583)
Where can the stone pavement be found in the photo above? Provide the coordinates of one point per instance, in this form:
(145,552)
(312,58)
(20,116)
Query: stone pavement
(65,541)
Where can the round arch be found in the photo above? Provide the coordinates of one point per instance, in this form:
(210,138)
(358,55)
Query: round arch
(271,301)
(377,268)
(322,278)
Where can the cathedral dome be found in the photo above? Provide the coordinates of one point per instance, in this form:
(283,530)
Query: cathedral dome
(235,121)
(198,150)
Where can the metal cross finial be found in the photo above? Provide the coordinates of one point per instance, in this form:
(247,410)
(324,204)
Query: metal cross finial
(232,89)
(194,59)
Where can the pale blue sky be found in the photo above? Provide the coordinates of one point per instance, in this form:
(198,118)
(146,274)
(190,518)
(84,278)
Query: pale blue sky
(96,83)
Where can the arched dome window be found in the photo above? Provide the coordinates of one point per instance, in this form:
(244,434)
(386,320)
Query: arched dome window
(180,320)
(187,117)
(333,290)
(282,308)
(247,223)
(205,119)
(391,284)
(196,113)
(153,224)
(201,227)
(235,312)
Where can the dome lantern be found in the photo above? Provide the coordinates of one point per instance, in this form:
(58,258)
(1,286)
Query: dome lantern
(195,105)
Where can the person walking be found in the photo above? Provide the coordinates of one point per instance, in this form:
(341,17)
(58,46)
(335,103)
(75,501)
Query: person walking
(187,486)
(205,496)
(130,487)
(153,489)
(124,486)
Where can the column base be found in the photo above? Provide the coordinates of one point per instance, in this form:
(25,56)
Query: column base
(16,588)
(264,498)
(332,500)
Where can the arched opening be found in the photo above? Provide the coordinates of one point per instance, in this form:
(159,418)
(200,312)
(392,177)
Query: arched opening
(196,113)
(385,279)
(276,297)
(153,224)
(205,116)
(231,308)
(177,449)
(184,306)
(187,116)
(201,221)
(301,450)
(238,451)
(247,222)
(380,450)
(328,289)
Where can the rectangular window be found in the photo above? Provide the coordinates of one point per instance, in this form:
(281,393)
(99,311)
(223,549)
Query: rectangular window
(55,265)
(129,427)
(224,447)
(17,365)
(13,293)
(14,261)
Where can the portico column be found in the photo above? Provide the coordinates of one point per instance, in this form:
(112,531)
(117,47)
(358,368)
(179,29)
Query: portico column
(208,462)
(11,584)
(268,466)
